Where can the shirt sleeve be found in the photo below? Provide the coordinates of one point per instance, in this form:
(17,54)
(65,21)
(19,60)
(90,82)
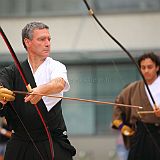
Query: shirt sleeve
(118,110)
(61,71)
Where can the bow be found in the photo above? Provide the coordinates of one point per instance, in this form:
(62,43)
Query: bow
(132,59)
(122,47)
(17,63)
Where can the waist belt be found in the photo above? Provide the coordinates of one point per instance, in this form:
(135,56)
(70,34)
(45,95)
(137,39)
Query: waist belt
(35,135)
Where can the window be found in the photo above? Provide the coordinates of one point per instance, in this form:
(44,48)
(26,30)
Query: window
(99,82)
(127,5)
(31,8)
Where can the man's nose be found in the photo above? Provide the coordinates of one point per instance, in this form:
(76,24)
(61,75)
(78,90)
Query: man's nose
(47,43)
(146,70)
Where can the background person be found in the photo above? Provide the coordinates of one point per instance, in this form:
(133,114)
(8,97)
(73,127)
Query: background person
(142,133)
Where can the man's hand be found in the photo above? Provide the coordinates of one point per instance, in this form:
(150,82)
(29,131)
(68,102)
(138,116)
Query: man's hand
(157,111)
(125,130)
(34,98)
(6,95)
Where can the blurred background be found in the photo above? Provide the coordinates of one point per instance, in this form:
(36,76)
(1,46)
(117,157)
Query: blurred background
(97,68)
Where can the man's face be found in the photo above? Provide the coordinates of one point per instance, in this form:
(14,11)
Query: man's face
(40,44)
(149,70)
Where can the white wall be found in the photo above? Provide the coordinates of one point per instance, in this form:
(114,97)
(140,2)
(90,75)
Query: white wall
(134,31)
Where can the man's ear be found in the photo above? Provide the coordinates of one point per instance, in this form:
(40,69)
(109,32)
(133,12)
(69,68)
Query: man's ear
(27,42)
(157,68)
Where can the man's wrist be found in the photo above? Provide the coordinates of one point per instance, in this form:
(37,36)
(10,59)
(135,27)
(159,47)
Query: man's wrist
(1,106)
(120,126)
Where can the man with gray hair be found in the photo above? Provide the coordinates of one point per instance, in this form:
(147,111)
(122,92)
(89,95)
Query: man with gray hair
(47,77)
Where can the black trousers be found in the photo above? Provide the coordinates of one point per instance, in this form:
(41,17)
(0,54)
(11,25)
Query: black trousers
(18,149)
(145,144)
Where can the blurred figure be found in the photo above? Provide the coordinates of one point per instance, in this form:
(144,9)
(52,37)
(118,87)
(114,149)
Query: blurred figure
(121,150)
(5,134)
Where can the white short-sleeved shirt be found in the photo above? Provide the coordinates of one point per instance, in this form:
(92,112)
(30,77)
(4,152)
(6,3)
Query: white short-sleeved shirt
(155,91)
(47,71)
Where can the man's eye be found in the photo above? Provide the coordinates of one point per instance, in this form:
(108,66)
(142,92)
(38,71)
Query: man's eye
(42,39)
(142,68)
(150,67)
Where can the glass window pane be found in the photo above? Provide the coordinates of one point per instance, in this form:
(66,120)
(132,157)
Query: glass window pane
(126,5)
(13,7)
(73,7)
(98,82)
(80,116)
(111,82)
(54,7)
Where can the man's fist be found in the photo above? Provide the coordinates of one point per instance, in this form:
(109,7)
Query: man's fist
(127,131)
(157,111)
(117,123)
(6,94)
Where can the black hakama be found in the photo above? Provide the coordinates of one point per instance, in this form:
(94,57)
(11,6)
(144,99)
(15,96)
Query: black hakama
(145,143)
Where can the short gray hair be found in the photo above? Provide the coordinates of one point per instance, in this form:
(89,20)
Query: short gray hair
(27,31)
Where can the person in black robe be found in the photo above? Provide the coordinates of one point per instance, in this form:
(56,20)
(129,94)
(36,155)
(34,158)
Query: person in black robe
(29,140)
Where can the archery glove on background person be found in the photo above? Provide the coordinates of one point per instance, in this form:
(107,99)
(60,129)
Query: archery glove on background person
(125,130)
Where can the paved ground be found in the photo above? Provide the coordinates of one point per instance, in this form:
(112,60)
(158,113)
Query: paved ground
(95,147)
